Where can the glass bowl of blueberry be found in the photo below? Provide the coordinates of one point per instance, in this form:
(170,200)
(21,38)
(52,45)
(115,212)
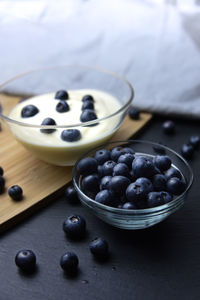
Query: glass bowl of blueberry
(59,113)
(132,184)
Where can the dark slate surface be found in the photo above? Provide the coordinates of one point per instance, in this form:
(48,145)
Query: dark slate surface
(162,262)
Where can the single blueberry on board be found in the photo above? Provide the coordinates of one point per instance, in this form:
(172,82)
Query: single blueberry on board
(2,184)
(134,113)
(15,192)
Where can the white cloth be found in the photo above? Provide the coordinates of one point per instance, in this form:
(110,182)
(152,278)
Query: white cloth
(155,44)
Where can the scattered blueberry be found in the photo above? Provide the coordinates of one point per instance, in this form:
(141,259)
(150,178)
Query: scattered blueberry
(121,169)
(168,127)
(48,121)
(102,156)
(187,151)
(90,183)
(15,192)
(162,162)
(175,186)
(62,106)
(99,248)
(29,111)
(134,113)
(2,184)
(62,95)
(118,184)
(104,183)
(71,195)
(74,226)
(195,141)
(88,115)
(159,182)
(116,153)
(108,167)
(87,98)
(126,158)
(143,167)
(105,197)
(69,262)
(128,205)
(172,172)
(87,166)
(26,260)
(87,105)
(1,171)
(71,135)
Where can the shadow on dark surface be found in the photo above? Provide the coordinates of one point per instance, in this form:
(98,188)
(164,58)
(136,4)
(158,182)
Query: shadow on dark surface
(72,276)
(29,274)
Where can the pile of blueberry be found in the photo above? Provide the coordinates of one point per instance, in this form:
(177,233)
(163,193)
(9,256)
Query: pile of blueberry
(68,135)
(75,228)
(15,192)
(123,179)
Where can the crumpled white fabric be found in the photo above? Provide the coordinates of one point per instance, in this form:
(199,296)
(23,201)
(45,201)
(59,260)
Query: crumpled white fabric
(154,43)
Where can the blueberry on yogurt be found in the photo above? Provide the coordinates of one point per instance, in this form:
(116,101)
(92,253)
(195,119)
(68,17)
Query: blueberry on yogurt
(88,115)
(62,106)
(71,135)
(29,111)
(62,95)
(88,98)
(87,105)
(48,121)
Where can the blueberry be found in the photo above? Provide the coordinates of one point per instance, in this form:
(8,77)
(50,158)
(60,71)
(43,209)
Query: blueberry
(102,156)
(100,171)
(15,192)
(62,95)
(159,182)
(71,135)
(88,115)
(1,171)
(175,186)
(104,183)
(29,111)
(108,167)
(135,192)
(87,105)
(105,197)
(128,150)
(148,187)
(99,248)
(162,162)
(87,98)
(74,226)
(90,183)
(2,184)
(166,196)
(172,172)
(187,151)
(128,205)
(26,260)
(121,169)
(69,262)
(118,184)
(62,106)
(48,121)
(168,127)
(71,195)
(154,199)
(116,152)
(126,158)
(134,113)
(195,141)
(143,167)
(87,166)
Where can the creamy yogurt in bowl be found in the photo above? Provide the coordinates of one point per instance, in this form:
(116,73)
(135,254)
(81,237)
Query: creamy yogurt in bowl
(110,108)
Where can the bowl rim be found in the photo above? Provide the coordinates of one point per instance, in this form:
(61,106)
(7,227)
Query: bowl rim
(144,211)
(81,124)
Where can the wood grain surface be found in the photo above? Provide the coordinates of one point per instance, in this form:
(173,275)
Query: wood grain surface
(41,182)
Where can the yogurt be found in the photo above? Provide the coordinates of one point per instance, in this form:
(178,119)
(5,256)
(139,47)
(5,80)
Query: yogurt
(51,147)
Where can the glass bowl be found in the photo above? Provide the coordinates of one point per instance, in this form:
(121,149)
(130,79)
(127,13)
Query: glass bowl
(70,78)
(136,218)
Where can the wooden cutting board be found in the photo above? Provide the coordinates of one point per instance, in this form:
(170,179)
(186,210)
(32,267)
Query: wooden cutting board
(41,182)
